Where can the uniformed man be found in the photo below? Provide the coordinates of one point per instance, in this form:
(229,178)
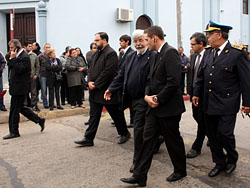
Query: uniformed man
(224,78)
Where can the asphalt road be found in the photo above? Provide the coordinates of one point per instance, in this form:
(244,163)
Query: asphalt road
(52,160)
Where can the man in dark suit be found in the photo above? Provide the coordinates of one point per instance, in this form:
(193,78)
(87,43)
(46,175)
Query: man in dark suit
(164,97)
(19,84)
(223,79)
(198,43)
(132,80)
(125,42)
(101,73)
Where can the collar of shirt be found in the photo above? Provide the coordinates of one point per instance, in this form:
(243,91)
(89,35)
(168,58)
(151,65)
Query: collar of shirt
(159,50)
(19,52)
(125,50)
(222,47)
(142,53)
(201,54)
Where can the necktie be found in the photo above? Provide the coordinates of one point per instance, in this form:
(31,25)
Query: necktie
(216,50)
(197,65)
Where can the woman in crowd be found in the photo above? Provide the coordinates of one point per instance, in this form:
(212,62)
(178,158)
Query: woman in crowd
(54,78)
(64,85)
(75,67)
(84,82)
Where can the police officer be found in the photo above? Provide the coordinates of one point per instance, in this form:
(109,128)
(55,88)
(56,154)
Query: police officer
(224,78)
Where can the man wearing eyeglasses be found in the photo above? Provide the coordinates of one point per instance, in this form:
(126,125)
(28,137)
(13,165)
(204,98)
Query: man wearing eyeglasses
(198,43)
(224,78)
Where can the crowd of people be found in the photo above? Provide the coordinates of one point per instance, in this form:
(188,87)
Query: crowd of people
(150,80)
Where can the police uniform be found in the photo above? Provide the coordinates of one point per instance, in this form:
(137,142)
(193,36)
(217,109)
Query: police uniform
(223,79)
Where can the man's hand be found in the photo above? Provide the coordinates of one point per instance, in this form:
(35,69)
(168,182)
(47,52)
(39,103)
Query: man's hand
(150,101)
(13,53)
(34,77)
(91,85)
(245,109)
(195,101)
(80,69)
(107,95)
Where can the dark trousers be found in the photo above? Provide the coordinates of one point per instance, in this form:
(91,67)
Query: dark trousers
(33,92)
(54,91)
(75,93)
(183,74)
(168,127)
(95,115)
(64,89)
(198,115)
(16,107)
(139,107)
(127,103)
(220,132)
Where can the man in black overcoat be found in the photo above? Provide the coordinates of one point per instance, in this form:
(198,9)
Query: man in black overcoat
(101,73)
(19,84)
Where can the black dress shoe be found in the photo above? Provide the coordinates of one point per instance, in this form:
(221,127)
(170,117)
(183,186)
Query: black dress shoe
(230,168)
(46,107)
(131,125)
(86,123)
(36,109)
(124,138)
(85,142)
(60,107)
(42,124)
(10,136)
(3,109)
(175,176)
(132,180)
(215,171)
(193,153)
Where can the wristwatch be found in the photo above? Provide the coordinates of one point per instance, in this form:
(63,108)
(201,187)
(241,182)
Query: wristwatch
(155,99)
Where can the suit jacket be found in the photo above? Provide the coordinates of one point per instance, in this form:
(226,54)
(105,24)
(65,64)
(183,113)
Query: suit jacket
(191,74)
(51,71)
(19,74)
(223,81)
(164,81)
(121,61)
(102,71)
(120,81)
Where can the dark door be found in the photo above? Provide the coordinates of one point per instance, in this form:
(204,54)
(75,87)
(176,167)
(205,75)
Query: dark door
(24,27)
(143,22)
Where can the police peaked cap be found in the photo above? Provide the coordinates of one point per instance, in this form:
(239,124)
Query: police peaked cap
(212,26)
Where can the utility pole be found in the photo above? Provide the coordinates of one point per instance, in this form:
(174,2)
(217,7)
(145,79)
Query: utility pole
(178,11)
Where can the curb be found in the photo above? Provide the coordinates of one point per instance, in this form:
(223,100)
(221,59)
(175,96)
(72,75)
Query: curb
(4,118)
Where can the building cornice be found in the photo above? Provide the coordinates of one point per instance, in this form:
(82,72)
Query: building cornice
(19,1)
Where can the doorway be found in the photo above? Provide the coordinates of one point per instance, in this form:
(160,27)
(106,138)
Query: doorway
(24,27)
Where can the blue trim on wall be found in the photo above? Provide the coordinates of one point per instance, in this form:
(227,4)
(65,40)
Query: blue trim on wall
(156,13)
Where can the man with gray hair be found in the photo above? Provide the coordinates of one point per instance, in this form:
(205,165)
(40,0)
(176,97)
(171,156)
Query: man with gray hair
(132,80)
(19,84)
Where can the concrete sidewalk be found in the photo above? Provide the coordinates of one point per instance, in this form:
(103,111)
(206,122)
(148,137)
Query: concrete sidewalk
(4,116)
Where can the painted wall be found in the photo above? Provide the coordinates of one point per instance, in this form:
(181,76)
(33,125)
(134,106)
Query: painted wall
(73,23)
(191,21)
(168,20)
(232,17)
(3,35)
